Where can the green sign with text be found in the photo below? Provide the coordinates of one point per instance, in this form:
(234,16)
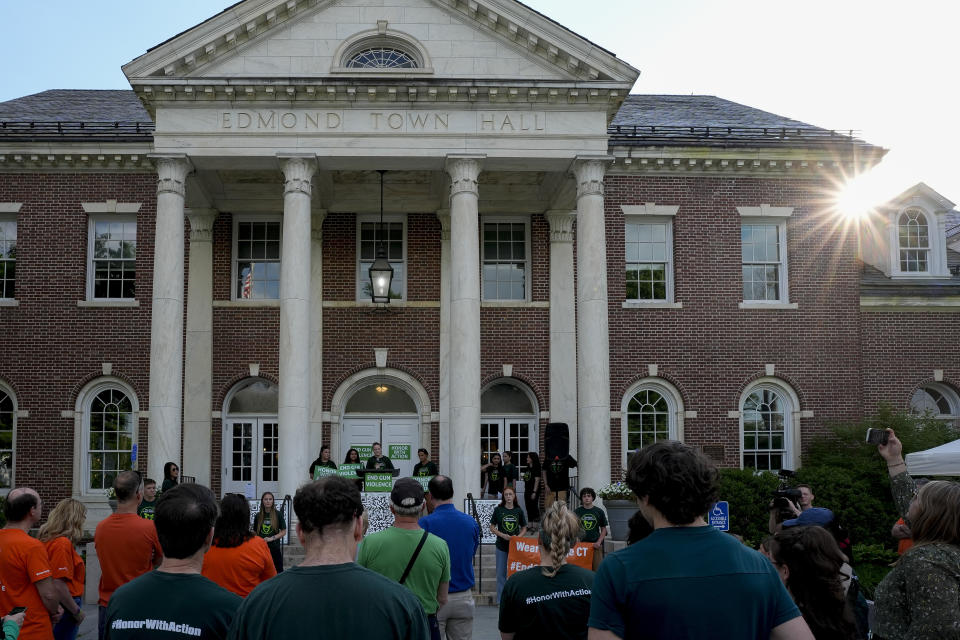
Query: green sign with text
(378,482)
(349,470)
(319,472)
(424,481)
(365,450)
(399,452)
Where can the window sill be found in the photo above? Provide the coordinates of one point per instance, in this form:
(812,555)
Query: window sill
(108,303)
(246,304)
(654,304)
(493,304)
(9,302)
(769,305)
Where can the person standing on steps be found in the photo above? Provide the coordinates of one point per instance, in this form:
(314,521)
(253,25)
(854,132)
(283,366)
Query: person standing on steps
(507,521)
(270,525)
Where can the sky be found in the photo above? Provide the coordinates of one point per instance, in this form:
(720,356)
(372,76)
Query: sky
(888,70)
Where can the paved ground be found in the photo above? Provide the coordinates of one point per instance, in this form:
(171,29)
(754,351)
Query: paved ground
(484,624)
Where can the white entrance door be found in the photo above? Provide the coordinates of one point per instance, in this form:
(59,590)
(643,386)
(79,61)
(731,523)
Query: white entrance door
(402,433)
(250,456)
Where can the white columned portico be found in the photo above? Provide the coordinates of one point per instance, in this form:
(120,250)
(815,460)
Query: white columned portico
(464,323)
(563,325)
(295,308)
(444,456)
(166,323)
(198,363)
(316,332)
(593,338)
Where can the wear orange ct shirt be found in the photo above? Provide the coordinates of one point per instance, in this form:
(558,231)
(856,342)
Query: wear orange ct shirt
(239,569)
(904,543)
(66,564)
(127,547)
(23,562)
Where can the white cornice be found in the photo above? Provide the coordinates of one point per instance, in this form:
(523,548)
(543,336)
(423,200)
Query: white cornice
(60,159)
(247,21)
(690,160)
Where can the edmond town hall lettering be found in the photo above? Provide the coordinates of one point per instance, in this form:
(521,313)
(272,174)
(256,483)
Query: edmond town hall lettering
(371,121)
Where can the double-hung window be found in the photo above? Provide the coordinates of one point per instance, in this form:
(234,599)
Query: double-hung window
(913,236)
(763,254)
(112,250)
(256,258)
(506,259)
(8,256)
(648,253)
(392,235)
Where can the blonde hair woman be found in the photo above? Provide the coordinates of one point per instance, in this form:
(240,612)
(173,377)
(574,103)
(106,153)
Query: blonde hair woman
(60,535)
(552,600)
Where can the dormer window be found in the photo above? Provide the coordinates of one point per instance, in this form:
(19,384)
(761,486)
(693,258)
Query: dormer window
(382,58)
(914,241)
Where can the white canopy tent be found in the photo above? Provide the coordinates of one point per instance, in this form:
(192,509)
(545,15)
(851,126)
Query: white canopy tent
(939,461)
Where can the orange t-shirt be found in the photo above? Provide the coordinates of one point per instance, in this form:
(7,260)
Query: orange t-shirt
(23,562)
(66,564)
(127,547)
(904,543)
(239,569)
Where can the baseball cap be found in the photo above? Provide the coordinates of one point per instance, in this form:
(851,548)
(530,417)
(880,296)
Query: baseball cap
(407,492)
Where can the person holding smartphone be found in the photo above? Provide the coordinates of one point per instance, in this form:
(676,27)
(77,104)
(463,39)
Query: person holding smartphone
(12,623)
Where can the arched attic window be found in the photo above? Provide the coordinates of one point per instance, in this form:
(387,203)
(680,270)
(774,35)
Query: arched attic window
(381,51)
(914,241)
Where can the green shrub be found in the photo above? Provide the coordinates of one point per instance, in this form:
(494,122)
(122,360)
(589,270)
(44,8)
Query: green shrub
(748,494)
(872,565)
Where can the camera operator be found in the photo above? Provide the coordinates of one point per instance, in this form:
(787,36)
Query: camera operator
(798,502)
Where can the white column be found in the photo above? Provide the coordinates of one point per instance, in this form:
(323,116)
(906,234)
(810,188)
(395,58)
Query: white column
(316,333)
(593,338)
(295,306)
(464,324)
(198,363)
(563,325)
(444,457)
(166,321)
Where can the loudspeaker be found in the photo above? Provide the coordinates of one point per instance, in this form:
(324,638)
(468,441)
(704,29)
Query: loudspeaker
(557,441)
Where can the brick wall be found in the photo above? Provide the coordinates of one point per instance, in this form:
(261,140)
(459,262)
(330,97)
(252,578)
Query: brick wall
(49,347)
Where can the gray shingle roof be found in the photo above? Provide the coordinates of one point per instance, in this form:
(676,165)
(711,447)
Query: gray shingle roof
(874,283)
(75,105)
(699,111)
(953,223)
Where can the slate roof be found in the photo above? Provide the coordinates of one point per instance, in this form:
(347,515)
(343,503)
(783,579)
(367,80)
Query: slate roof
(874,283)
(75,105)
(953,223)
(701,111)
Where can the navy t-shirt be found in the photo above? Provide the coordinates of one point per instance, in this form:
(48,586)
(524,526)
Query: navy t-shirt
(689,582)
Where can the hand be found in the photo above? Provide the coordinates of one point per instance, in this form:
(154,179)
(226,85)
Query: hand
(794,508)
(597,544)
(901,532)
(18,618)
(892,452)
(78,616)
(55,618)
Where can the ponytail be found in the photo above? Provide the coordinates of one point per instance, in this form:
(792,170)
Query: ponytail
(559,531)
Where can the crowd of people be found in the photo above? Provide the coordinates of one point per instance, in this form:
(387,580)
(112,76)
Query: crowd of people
(186,564)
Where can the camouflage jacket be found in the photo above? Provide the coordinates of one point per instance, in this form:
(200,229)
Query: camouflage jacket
(920,597)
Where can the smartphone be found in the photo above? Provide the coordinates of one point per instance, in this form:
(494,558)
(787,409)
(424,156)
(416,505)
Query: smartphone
(16,610)
(877,436)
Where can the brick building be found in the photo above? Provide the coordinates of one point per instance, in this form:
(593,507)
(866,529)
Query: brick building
(184,267)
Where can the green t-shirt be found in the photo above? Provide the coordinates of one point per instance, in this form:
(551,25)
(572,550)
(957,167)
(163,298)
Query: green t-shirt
(508,521)
(510,473)
(534,606)
(269,528)
(592,521)
(164,606)
(342,601)
(388,553)
(146,509)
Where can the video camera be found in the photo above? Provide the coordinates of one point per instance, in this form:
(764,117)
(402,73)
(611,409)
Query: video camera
(784,496)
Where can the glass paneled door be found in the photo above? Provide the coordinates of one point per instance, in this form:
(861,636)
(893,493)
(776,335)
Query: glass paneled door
(251,456)
(518,436)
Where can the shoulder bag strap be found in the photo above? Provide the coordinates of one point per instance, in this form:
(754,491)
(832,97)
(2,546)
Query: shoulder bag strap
(413,558)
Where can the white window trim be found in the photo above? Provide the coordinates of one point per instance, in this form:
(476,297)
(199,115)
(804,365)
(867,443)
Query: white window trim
(381,36)
(784,301)
(362,275)
(936,235)
(8,213)
(528,264)
(948,393)
(250,217)
(792,416)
(82,429)
(660,217)
(674,401)
(92,219)
(16,414)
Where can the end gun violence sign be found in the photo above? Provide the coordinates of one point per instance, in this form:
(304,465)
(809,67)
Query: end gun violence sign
(524,553)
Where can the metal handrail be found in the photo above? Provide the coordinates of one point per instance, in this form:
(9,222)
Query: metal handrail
(285,504)
(476,516)
(70,130)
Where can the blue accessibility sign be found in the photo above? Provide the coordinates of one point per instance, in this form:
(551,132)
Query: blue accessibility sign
(719,516)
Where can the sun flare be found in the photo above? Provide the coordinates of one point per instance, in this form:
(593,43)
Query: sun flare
(859,195)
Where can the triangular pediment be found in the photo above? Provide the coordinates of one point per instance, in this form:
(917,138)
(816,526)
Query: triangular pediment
(307,39)
(923,195)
